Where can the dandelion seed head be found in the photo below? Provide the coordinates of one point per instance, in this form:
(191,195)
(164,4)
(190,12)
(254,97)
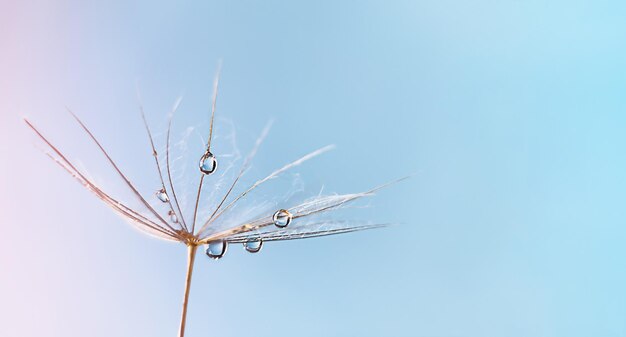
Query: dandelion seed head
(204,203)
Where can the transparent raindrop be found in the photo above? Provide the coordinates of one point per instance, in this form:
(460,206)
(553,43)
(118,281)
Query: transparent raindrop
(208,163)
(162,195)
(173,216)
(216,249)
(282,218)
(253,245)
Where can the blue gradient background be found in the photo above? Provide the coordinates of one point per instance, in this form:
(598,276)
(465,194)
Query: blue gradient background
(511,113)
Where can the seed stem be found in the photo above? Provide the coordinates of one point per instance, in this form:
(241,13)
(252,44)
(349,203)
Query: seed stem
(191,256)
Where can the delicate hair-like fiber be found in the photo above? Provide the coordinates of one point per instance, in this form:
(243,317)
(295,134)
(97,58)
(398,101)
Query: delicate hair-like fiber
(216,227)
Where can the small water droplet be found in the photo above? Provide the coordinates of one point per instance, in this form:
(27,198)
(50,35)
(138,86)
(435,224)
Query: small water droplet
(216,249)
(162,195)
(173,216)
(208,163)
(253,245)
(282,218)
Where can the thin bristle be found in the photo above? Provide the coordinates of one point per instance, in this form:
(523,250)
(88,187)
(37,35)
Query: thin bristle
(307,219)
(243,169)
(269,177)
(116,205)
(72,170)
(158,165)
(167,161)
(117,169)
(308,208)
(208,147)
(216,84)
(305,232)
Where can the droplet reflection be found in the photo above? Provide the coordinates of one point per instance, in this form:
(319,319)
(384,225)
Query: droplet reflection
(282,218)
(253,245)
(173,216)
(208,163)
(162,195)
(216,249)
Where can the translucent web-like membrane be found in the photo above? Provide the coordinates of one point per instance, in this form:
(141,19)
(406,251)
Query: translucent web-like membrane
(161,214)
(230,214)
(186,153)
(261,203)
(263,226)
(235,199)
(213,204)
(233,210)
(192,189)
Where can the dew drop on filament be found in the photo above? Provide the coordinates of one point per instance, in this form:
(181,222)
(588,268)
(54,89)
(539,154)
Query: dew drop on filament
(173,216)
(162,195)
(216,249)
(208,163)
(253,245)
(282,218)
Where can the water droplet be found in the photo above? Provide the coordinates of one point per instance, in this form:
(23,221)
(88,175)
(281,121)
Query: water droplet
(282,218)
(173,216)
(253,245)
(216,249)
(162,195)
(208,163)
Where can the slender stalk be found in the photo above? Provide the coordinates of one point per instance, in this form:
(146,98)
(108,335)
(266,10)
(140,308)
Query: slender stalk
(191,256)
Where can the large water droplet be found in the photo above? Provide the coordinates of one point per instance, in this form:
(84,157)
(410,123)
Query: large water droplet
(216,249)
(282,218)
(173,216)
(162,195)
(208,163)
(253,245)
